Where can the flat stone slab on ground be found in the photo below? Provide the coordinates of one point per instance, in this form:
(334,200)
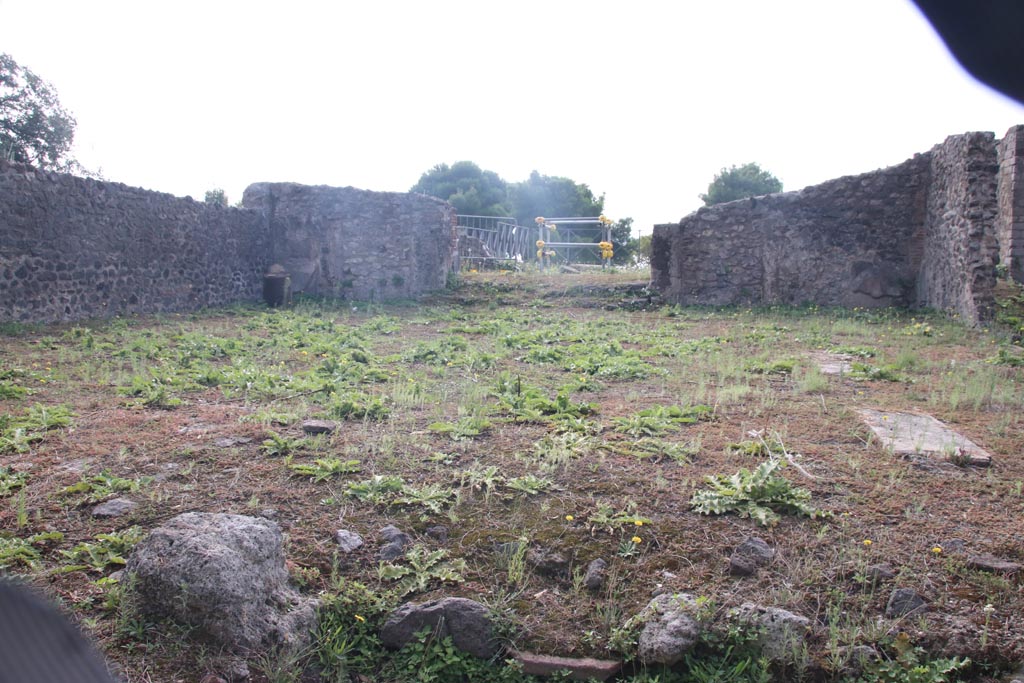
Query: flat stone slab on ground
(580,669)
(913,434)
(833,363)
(995,565)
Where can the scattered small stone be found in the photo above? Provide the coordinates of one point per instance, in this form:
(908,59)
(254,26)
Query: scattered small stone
(439,533)
(579,668)
(749,556)
(877,573)
(114,508)
(548,562)
(466,621)
(395,542)
(268,513)
(116,576)
(740,565)
(856,658)
(781,631)
(904,601)
(212,678)
(670,631)
(569,269)
(319,426)
(992,564)
(596,573)
(196,427)
(235,670)
(230,441)
(348,541)
(953,545)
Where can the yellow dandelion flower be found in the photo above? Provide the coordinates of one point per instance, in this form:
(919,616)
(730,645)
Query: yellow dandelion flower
(937,550)
(360,617)
(636,539)
(569,518)
(638,522)
(867,542)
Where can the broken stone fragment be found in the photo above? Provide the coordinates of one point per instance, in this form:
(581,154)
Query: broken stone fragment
(993,565)
(319,427)
(904,601)
(749,556)
(671,629)
(114,508)
(467,622)
(781,632)
(348,541)
(595,576)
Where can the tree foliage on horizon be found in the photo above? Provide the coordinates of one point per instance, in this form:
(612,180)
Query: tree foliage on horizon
(474,191)
(467,187)
(740,182)
(34,128)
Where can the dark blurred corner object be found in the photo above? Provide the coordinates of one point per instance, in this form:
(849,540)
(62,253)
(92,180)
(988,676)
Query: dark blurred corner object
(38,644)
(986,37)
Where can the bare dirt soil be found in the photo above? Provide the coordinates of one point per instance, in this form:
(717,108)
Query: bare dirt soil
(204,412)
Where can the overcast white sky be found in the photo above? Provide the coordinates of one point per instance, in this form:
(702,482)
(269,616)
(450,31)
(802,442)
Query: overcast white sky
(644,101)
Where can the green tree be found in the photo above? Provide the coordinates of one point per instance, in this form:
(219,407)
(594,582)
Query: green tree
(216,196)
(643,249)
(469,188)
(739,182)
(625,244)
(34,128)
(552,196)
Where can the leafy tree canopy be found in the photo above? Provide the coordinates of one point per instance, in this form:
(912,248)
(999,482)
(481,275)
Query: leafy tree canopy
(216,196)
(469,188)
(739,182)
(551,196)
(34,128)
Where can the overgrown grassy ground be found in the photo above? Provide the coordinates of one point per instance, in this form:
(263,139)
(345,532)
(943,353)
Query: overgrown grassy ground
(525,410)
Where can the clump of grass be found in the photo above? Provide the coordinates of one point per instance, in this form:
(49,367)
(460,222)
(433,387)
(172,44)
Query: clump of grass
(865,371)
(660,419)
(105,551)
(11,481)
(99,487)
(421,569)
(15,551)
(468,427)
(759,494)
(323,469)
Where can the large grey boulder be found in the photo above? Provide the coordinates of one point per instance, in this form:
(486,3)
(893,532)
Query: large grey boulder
(782,633)
(671,629)
(225,575)
(466,621)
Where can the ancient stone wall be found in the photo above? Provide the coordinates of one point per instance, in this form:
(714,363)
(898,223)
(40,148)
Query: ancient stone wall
(354,243)
(847,242)
(928,232)
(958,269)
(1010,196)
(73,248)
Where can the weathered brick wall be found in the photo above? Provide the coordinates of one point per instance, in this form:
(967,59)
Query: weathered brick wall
(960,250)
(73,248)
(354,243)
(928,232)
(847,242)
(1010,197)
